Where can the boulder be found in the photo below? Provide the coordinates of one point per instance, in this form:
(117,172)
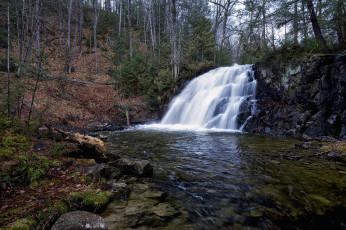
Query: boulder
(140,168)
(78,220)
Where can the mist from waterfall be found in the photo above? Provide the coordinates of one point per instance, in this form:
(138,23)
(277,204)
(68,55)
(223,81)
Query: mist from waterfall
(215,100)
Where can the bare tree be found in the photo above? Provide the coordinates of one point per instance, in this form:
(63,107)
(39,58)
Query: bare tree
(129,25)
(316,27)
(8,62)
(295,22)
(68,43)
(96,15)
(81,20)
(38,32)
(174,38)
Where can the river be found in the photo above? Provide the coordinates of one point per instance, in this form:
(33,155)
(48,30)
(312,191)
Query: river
(225,180)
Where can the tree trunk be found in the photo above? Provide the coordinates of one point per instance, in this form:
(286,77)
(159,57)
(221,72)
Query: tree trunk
(81,20)
(264,42)
(340,30)
(305,27)
(174,39)
(316,27)
(73,49)
(60,31)
(21,36)
(295,22)
(108,5)
(8,62)
(129,25)
(120,17)
(96,14)
(68,44)
(38,45)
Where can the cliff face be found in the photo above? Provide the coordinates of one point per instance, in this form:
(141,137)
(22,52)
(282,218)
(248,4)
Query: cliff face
(301,98)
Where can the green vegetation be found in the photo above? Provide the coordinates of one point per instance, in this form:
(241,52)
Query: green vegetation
(37,187)
(22,224)
(18,163)
(89,200)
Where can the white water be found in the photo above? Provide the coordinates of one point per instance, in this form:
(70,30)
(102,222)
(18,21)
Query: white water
(214,100)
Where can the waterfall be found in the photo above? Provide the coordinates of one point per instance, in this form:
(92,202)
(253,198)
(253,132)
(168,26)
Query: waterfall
(223,98)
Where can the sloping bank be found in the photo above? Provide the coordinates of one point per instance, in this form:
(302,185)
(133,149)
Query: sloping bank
(84,180)
(301,98)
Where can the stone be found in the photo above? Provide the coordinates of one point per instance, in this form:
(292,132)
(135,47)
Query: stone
(97,168)
(305,145)
(336,157)
(140,168)
(79,220)
(306,138)
(164,210)
(120,190)
(109,172)
(325,139)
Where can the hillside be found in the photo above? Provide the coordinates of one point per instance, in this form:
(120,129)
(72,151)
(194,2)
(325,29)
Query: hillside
(62,102)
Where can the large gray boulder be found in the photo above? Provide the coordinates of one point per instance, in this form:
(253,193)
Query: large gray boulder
(79,220)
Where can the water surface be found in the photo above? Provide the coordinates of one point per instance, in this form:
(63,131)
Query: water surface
(225,180)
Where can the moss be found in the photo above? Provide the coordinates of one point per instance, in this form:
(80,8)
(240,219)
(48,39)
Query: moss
(325,149)
(22,224)
(51,213)
(89,200)
(7,215)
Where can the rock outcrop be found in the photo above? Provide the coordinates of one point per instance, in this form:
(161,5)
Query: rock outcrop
(301,99)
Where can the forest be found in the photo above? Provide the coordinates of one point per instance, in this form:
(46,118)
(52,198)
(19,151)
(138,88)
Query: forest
(147,48)
(91,65)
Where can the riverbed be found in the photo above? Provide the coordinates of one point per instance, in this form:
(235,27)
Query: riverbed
(227,180)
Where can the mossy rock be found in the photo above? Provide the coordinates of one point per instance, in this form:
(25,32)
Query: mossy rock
(93,201)
(22,224)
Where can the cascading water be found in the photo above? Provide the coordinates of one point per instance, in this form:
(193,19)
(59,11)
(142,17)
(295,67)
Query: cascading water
(215,100)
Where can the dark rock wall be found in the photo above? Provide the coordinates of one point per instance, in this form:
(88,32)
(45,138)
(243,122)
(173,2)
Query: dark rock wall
(301,98)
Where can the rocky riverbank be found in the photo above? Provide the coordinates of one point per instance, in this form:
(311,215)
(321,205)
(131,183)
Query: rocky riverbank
(88,179)
(297,98)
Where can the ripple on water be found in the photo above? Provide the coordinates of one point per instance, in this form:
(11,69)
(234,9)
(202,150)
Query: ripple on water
(233,180)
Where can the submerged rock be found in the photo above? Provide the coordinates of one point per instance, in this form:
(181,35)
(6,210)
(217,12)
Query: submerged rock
(145,208)
(78,220)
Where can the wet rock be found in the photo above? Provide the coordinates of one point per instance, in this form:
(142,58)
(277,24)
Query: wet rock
(109,172)
(79,220)
(120,190)
(306,138)
(140,168)
(305,145)
(325,139)
(145,208)
(336,157)
(164,210)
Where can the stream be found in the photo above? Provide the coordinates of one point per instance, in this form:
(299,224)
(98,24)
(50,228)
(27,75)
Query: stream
(227,180)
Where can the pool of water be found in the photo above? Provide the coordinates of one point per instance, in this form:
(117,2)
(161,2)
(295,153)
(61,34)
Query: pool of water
(225,180)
